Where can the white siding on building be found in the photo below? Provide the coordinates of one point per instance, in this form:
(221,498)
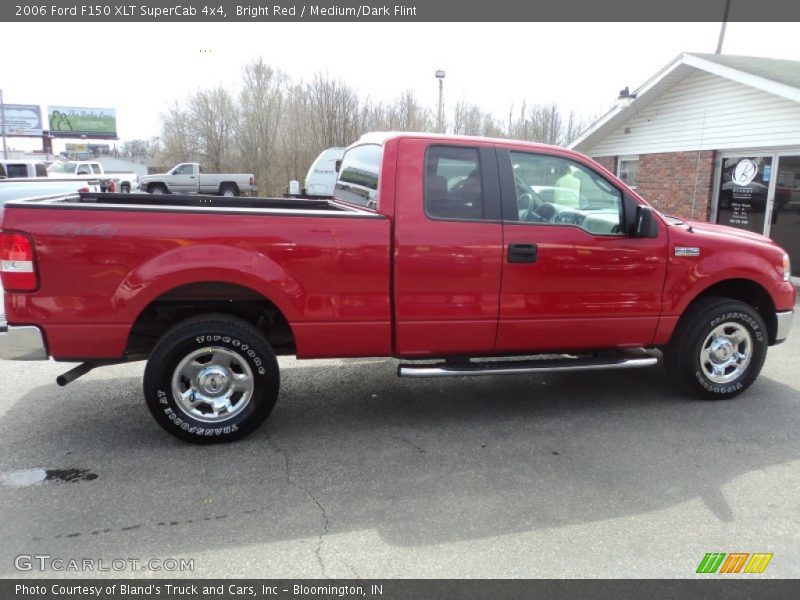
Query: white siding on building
(707,112)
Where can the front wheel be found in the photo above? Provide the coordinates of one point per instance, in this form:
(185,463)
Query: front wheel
(212,378)
(718,349)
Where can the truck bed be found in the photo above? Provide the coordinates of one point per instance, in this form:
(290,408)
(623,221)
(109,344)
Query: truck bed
(104,261)
(197,203)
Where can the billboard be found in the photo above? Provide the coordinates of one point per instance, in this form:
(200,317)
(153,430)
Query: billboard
(78,148)
(77,122)
(22,120)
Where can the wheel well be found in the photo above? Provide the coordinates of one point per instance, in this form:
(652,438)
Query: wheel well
(226,184)
(749,292)
(158,184)
(206,297)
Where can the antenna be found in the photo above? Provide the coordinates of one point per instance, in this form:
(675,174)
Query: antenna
(724,24)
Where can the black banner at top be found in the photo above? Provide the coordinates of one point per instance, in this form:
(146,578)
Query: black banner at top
(281,11)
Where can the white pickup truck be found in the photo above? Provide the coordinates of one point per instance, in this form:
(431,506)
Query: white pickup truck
(189,178)
(123,181)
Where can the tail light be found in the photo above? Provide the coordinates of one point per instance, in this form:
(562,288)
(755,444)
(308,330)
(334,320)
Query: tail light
(84,190)
(252,180)
(16,262)
(112,186)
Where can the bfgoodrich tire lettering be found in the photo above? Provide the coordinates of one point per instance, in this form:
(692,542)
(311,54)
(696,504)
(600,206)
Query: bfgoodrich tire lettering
(718,349)
(210,379)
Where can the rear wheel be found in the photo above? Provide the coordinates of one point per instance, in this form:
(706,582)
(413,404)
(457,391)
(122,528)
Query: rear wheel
(125,188)
(718,349)
(212,378)
(228,189)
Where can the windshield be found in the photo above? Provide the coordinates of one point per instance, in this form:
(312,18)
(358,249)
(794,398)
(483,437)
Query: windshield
(67,167)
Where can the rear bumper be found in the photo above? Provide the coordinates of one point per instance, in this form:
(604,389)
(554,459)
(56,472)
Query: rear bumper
(784,319)
(21,343)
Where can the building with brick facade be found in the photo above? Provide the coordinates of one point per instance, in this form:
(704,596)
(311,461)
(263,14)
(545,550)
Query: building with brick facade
(711,137)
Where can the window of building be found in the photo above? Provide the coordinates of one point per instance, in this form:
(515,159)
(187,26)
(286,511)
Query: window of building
(628,169)
(358,176)
(557,191)
(453,187)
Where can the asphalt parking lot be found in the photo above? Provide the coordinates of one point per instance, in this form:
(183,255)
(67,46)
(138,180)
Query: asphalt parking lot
(360,474)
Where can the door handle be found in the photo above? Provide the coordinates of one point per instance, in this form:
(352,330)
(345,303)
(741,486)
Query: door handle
(522,253)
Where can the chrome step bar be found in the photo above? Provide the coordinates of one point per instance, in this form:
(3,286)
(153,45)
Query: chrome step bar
(511,367)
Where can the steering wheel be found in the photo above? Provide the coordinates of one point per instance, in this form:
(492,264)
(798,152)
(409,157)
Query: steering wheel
(544,213)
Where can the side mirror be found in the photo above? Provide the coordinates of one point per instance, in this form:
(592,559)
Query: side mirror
(645,226)
(338,165)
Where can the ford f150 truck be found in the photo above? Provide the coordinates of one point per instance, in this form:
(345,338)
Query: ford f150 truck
(189,178)
(459,256)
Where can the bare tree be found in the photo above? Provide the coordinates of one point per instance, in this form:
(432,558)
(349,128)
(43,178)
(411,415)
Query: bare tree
(261,104)
(213,119)
(179,144)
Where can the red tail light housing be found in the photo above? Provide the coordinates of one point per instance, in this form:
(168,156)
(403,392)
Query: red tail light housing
(252,180)
(17,264)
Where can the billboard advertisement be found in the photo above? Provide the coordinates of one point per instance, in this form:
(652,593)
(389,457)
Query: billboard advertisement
(77,148)
(76,121)
(22,120)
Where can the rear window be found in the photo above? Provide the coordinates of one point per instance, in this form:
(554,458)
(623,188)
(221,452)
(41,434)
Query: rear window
(358,176)
(41,170)
(17,170)
(2,171)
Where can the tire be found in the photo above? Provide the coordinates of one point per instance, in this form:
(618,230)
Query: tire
(157,188)
(212,378)
(229,190)
(718,348)
(125,188)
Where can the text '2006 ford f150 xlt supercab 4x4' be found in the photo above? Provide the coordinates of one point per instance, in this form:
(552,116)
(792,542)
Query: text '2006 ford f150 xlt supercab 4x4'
(459,256)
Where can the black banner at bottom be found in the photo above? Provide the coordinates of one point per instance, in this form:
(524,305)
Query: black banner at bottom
(390,589)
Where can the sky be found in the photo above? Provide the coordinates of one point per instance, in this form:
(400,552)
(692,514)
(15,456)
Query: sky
(141,68)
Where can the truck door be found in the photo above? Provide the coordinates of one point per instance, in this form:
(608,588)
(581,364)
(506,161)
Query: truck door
(448,245)
(183,179)
(572,278)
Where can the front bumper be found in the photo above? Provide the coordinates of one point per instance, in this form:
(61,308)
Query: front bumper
(21,343)
(784,319)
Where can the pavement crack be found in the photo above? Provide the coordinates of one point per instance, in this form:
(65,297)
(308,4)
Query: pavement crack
(323,513)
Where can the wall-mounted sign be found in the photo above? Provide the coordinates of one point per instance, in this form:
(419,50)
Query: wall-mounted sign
(22,120)
(79,122)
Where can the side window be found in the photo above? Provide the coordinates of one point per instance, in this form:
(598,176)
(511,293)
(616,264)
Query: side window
(453,188)
(557,191)
(358,176)
(182,170)
(84,170)
(41,170)
(96,169)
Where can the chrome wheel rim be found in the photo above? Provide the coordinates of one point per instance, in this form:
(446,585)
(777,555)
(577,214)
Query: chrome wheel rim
(228,193)
(726,352)
(213,384)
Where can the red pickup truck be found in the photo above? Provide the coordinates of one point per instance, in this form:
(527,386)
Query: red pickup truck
(460,256)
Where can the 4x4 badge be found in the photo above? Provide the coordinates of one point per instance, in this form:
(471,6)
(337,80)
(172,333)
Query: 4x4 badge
(686,251)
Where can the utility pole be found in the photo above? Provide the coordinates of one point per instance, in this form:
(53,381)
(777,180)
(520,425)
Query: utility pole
(440,118)
(3,124)
(724,24)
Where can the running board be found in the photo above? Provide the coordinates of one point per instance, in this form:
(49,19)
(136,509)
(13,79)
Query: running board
(510,367)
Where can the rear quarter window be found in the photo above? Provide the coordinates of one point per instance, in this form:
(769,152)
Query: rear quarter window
(358,176)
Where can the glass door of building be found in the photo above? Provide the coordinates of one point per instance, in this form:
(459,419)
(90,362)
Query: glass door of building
(744,191)
(784,223)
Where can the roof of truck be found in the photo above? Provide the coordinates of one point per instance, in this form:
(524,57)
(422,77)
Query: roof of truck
(381,137)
